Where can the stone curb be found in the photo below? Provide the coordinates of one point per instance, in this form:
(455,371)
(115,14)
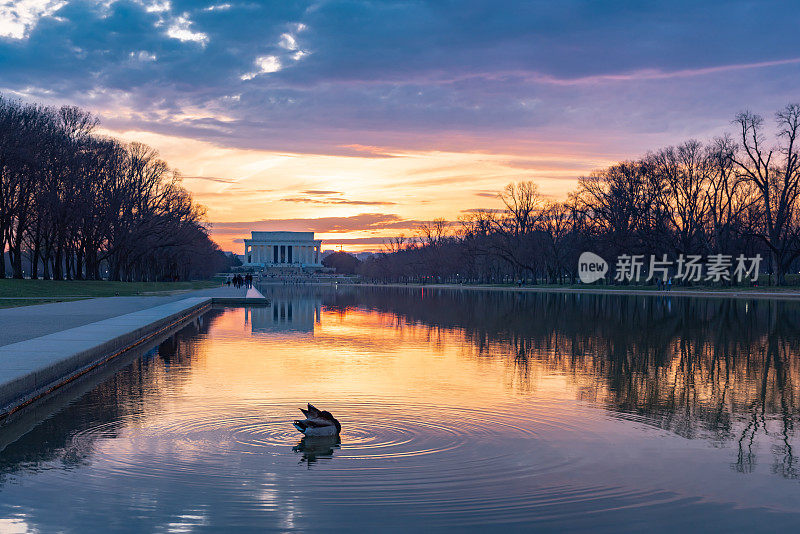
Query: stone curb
(31,369)
(714,294)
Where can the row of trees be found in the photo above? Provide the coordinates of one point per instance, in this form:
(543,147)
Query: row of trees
(733,195)
(343,262)
(74,204)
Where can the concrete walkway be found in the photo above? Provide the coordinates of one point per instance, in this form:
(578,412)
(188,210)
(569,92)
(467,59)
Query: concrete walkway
(254,293)
(32,369)
(28,322)
(46,347)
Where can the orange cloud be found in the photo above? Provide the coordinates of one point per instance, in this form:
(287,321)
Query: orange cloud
(248,190)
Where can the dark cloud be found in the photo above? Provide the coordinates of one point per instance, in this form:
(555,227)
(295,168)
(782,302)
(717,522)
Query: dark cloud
(360,241)
(232,192)
(345,241)
(484,210)
(364,151)
(356,77)
(210,179)
(361,222)
(304,200)
(552,165)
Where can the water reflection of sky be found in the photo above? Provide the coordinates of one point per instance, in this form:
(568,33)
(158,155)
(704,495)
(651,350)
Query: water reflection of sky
(459,409)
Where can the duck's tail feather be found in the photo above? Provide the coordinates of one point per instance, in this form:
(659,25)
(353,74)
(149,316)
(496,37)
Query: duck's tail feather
(311,413)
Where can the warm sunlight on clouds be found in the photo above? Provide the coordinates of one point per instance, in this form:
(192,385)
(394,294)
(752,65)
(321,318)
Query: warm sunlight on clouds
(396,112)
(357,201)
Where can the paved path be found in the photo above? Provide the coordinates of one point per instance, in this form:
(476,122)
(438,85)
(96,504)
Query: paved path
(254,293)
(27,322)
(31,369)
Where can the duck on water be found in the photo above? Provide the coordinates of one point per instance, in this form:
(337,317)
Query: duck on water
(317,423)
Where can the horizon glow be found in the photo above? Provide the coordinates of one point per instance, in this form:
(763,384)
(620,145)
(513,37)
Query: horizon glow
(359,120)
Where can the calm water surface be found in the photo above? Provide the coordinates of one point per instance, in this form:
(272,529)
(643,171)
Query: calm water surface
(461,410)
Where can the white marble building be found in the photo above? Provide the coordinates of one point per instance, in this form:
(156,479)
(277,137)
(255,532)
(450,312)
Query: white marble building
(282,249)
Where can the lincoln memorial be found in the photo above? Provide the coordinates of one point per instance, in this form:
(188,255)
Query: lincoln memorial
(282,249)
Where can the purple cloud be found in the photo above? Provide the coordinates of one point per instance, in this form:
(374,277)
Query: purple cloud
(345,77)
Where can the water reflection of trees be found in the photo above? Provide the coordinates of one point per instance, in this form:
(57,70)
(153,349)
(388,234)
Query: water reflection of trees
(109,398)
(719,369)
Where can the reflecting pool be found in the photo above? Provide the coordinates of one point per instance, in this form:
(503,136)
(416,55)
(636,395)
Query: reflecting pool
(461,410)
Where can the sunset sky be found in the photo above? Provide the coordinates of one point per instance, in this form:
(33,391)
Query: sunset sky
(359,119)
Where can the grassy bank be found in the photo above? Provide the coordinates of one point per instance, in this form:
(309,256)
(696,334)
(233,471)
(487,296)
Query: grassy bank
(27,292)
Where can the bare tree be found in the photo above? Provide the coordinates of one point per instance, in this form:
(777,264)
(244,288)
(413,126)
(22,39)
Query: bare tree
(71,201)
(681,175)
(775,173)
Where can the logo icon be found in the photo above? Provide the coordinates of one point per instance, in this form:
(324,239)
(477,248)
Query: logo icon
(591,267)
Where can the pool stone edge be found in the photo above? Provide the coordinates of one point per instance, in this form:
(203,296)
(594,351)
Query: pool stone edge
(33,368)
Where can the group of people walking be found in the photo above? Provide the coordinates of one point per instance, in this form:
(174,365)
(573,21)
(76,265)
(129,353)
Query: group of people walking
(239,281)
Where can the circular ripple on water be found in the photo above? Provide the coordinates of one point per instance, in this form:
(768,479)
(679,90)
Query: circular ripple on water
(450,463)
(375,431)
(371,431)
